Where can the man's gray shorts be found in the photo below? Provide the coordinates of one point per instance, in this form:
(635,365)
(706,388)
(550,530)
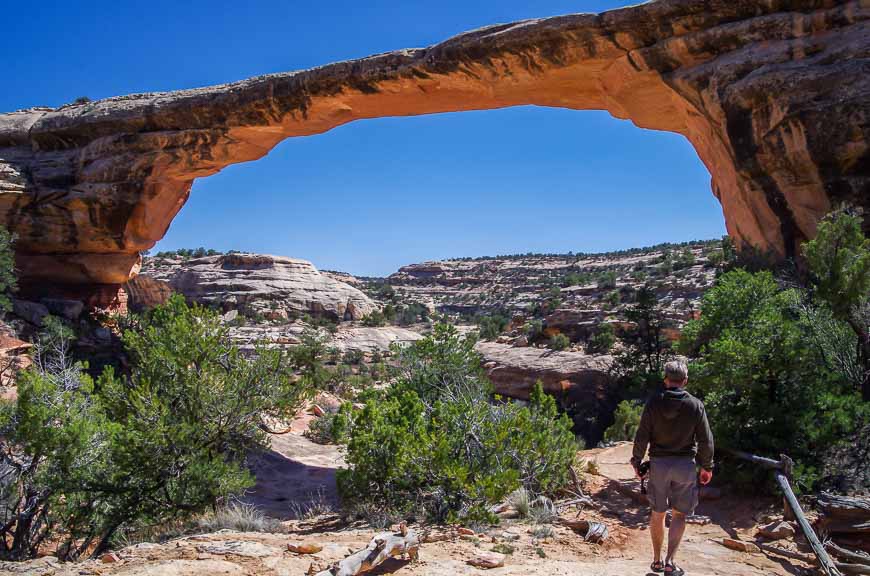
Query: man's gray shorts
(673,483)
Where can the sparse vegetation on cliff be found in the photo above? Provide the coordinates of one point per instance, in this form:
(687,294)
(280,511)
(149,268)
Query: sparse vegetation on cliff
(8,279)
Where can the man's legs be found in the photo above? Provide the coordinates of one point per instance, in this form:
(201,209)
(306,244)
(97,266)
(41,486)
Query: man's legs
(657,532)
(675,534)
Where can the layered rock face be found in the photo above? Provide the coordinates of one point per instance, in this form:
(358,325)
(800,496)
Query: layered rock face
(773,95)
(581,383)
(273,286)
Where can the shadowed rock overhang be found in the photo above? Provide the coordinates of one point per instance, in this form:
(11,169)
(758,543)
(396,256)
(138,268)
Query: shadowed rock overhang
(773,95)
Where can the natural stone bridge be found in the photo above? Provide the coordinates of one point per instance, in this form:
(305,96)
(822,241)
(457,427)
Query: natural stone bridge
(773,94)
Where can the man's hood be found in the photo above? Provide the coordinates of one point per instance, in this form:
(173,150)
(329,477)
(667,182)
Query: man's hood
(672,402)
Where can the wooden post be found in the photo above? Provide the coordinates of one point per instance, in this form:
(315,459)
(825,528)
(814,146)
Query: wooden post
(787,471)
(783,467)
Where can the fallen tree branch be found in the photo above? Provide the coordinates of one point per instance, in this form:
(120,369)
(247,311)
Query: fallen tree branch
(383,546)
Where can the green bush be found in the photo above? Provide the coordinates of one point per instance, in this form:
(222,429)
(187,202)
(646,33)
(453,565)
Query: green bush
(159,444)
(646,350)
(766,383)
(375,318)
(436,444)
(558,342)
(8,280)
(607,280)
(602,341)
(491,327)
(625,423)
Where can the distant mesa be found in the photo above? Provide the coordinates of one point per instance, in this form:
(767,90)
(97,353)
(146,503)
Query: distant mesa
(772,95)
(274,287)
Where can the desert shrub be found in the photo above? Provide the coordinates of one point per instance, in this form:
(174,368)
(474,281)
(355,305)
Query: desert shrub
(607,280)
(646,350)
(8,280)
(490,327)
(158,444)
(375,318)
(602,341)
(533,329)
(625,423)
(436,443)
(612,299)
(765,381)
(558,342)
(576,279)
(240,517)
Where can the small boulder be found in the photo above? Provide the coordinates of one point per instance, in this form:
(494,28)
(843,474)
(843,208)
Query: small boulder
(487,560)
(304,547)
(110,558)
(465,531)
(777,531)
(32,312)
(740,546)
(69,309)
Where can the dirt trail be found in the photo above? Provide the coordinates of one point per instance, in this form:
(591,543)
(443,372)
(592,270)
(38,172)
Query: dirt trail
(296,466)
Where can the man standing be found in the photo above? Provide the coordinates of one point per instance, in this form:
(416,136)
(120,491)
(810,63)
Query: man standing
(674,426)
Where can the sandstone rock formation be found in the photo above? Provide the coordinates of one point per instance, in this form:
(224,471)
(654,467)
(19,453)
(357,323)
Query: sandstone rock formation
(773,95)
(274,286)
(580,382)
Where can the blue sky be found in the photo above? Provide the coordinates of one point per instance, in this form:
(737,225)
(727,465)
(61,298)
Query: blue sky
(370,196)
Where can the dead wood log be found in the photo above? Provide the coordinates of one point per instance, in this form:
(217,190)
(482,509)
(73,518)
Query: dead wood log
(848,555)
(594,532)
(383,546)
(844,514)
(844,567)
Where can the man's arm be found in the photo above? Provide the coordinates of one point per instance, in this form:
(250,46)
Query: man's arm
(704,438)
(642,437)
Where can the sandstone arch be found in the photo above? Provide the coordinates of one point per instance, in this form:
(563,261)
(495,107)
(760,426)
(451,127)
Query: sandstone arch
(773,94)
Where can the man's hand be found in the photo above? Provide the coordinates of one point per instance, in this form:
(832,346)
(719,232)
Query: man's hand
(705,476)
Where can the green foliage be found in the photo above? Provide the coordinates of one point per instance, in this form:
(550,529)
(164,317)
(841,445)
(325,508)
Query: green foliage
(375,318)
(764,379)
(8,280)
(602,341)
(626,421)
(646,350)
(576,279)
(435,441)
(490,327)
(558,342)
(161,443)
(607,280)
(612,299)
(839,264)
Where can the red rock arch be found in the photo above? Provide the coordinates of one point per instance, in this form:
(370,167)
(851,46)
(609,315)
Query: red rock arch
(773,96)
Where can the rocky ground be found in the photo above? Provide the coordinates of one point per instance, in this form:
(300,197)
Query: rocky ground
(447,551)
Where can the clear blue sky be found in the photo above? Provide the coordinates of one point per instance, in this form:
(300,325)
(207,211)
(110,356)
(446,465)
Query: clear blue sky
(370,196)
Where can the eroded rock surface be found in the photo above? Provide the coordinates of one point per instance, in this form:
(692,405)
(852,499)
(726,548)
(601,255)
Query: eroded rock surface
(773,96)
(275,287)
(580,382)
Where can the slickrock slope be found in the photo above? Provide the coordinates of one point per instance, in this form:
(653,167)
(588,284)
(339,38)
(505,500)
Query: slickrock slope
(773,95)
(273,286)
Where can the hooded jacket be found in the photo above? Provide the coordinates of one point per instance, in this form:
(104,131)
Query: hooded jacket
(674,423)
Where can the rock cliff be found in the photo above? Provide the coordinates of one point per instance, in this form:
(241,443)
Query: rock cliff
(275,287)
(773,95)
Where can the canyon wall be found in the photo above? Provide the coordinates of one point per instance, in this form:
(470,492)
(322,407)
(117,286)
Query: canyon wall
(772,94)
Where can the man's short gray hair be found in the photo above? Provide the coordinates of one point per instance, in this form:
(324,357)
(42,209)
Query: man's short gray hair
(676,371)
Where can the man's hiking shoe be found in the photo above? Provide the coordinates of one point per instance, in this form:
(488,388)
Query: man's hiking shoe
(657,566)
(672,569)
